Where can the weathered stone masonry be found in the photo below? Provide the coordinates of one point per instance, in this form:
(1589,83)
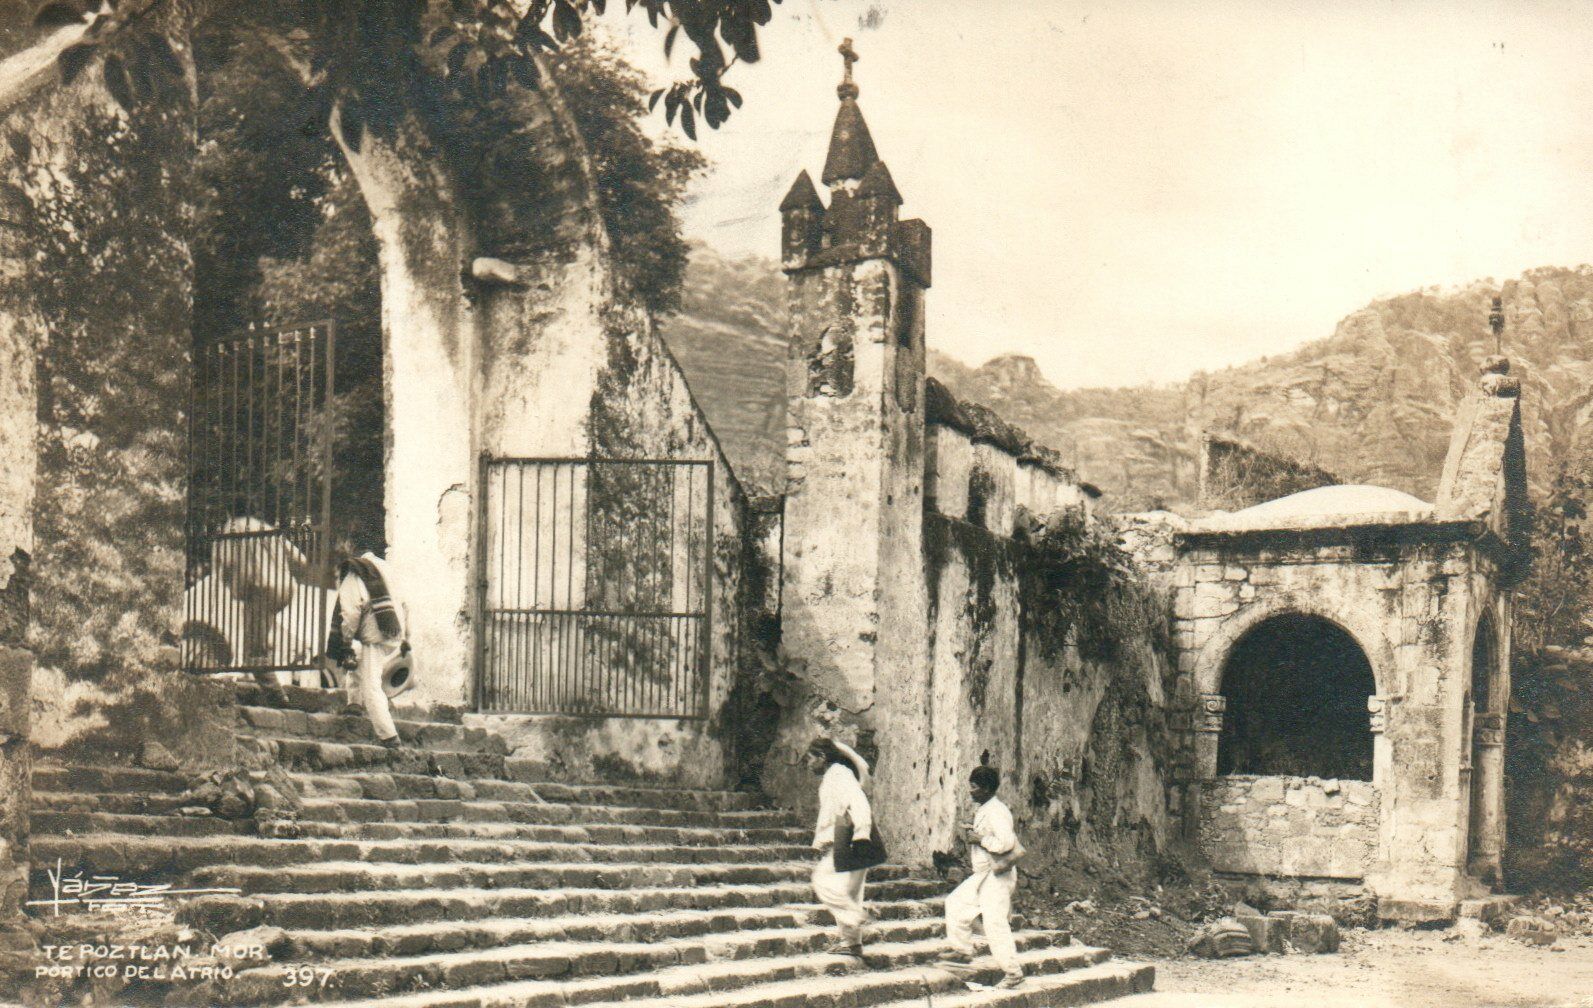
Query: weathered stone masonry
(1423,592)
(902,618)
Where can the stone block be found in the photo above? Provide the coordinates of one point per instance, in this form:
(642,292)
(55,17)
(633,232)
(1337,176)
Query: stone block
(1307,932)
(1214,605)
(1267,789)
(1222,939)
(1266,933)
(1233,572)
(1488,909)
(1532,930)
(1417,911)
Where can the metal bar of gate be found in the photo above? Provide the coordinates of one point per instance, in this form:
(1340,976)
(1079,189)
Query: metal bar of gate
(261,432)
(635,642)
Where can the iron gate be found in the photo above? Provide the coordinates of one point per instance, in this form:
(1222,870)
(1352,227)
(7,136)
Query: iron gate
(259,501)
(596,587)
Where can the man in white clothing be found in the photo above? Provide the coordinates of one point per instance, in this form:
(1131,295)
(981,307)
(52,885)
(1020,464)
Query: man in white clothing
(987,892)
(367,614)
(842,774)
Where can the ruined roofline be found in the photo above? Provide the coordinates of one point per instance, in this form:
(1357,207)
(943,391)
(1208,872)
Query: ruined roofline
(984,425)
(1229,440)
(1362,530)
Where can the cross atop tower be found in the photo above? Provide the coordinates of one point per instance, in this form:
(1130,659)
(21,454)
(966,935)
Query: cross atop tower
(847,88)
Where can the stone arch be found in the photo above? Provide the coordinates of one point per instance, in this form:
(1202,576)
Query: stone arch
(1213,654)
(1296,689)
(1484,682)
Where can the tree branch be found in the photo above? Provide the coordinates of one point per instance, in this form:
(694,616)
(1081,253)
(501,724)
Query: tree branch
(295,61)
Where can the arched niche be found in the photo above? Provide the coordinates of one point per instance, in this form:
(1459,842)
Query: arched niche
(1296,687)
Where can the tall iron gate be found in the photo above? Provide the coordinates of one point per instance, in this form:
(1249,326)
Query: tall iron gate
(596,584)
(259,501)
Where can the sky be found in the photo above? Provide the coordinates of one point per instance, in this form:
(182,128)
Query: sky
(1130,191)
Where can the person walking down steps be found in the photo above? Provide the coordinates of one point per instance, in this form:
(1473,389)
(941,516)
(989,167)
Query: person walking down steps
(994,851)
(846,839)
(366,615)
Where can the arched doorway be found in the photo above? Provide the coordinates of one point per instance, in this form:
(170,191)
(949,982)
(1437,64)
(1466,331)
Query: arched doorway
(1296,687)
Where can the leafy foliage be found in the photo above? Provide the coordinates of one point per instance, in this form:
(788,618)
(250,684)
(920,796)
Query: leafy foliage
(381,58)
(1551,704)
(1079,588)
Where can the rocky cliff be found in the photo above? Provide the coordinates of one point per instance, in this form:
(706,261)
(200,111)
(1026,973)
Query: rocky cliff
(1372,402)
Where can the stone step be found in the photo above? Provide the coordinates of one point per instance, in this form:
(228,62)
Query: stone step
(342,727)
(551,814)
(318,756)
(225,914)
(1085,986)
(389,786)
(895,973)
(592,833)
(45,822)
(454,935)
(108,804)
(608,970)
(898,921)
(239,856)
(364,877)
(320,701)
(81,779)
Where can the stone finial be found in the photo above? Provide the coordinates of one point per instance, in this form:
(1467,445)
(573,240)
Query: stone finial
(852,151)
(1496,323)
(847,89)
(1497,379)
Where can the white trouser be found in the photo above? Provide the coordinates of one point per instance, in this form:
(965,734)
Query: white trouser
(989,896)
(842,894)
(364,687)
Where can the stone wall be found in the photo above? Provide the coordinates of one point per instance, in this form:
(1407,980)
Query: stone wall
(1078,727)
(1234,475)
(1300,826)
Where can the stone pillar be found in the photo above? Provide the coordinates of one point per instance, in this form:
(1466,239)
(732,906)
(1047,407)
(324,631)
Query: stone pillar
(1382,769)
(429,357)
(1487,818)
(1208,730)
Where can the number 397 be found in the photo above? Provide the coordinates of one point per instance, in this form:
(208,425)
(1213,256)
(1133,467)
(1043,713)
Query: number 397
(306,976)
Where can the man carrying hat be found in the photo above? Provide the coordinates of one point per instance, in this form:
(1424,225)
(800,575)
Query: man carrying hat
(367,628)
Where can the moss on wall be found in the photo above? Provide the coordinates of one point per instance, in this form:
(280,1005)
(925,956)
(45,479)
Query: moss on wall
(109,230)
(1085,742)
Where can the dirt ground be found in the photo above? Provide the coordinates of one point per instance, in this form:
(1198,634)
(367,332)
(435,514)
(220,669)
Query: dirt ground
(1386,969)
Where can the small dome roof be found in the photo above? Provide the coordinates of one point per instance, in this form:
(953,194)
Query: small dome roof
(1350,499)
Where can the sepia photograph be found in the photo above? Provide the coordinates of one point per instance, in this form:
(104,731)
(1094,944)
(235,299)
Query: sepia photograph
(796,504)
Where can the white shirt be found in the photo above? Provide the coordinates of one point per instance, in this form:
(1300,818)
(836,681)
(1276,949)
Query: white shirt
(353,599)
(993,834)
(839,792)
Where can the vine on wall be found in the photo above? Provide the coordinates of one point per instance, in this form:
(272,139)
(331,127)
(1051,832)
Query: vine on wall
(1078,587)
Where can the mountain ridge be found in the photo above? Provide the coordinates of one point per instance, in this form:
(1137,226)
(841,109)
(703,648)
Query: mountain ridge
(1372,401)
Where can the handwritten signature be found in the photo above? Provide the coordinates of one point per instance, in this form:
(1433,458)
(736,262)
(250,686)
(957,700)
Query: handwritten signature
(113,894)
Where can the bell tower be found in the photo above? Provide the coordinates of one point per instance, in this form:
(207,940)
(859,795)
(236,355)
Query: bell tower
(853,595)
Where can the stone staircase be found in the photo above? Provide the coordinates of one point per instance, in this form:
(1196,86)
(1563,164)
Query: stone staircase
(446,874)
